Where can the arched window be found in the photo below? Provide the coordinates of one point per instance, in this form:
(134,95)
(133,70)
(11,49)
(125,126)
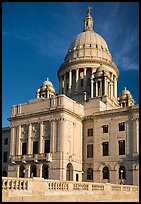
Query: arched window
(69,172)
(105,172)
(122,172)
(90,174)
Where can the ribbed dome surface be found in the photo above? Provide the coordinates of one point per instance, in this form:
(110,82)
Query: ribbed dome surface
(87,38)
(88,44)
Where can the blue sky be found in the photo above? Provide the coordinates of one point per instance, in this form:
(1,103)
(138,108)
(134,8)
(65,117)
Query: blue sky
(37,35)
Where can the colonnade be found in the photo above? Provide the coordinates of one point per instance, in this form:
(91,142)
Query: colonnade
(55,137)
(70,83)
(16,139)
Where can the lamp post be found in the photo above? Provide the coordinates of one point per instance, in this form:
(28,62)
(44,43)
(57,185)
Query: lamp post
(121,174)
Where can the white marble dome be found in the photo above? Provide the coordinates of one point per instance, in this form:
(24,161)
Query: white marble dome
(88,44)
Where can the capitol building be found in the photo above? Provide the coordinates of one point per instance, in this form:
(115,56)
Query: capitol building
(86,132)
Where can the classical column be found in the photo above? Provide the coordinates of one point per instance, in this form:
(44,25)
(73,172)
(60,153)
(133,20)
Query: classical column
(92,90)
(18,141)
(105,85)
(96,88)
(109,93)
(12,141)
(100,92)
(70,80)
(111,89)
(135,135)
(41,138)
(85,79)
(52,145)
(29,139)
(65,84)
(77,77)
(115,87)
(60,85)
(61,135)
(40,170)
(28,167)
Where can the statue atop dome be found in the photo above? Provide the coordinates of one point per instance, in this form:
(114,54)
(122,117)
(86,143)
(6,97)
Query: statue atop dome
(89,10)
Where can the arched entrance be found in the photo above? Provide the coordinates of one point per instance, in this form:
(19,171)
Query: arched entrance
(22,171)
(69,172)
(45,171)
(33,172)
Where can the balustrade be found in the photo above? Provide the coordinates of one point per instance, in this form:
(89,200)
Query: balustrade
(11,184)
(14,184)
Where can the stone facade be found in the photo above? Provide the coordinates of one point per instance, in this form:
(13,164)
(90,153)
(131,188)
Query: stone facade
(86,132)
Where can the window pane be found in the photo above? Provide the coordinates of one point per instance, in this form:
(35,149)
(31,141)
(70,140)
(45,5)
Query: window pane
(121,147)
(5,141)
(47,146)
(90,174)
(122,126)
(5,157)
(24,148)
(90,132)
(105,128)
(90,151)
(35,147)
(105,173)
(105,148)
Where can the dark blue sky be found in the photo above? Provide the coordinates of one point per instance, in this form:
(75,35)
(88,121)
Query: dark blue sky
(37,35)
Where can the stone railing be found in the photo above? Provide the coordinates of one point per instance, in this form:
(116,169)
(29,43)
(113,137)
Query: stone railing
(10,183)
(14,184)
(39,189)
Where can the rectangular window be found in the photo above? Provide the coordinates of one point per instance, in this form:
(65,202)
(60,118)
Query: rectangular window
(105,148)
(77,176)
(35,147)
(90,151)
(105,128)
(88,82)
(81,82)
(47,146)
(5,154)
(6,141)
(24,148)
(121,147)
(121,126)
(90,132)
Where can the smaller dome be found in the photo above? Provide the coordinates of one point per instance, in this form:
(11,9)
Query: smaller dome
(46,90)
(125,94)
(47,85)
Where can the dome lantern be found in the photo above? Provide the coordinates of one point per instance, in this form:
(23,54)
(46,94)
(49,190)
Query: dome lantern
(88,21)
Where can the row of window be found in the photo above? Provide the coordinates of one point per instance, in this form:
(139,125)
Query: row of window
(36,147)
(24,149)
(105,173)
(105,148)
(105,129)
